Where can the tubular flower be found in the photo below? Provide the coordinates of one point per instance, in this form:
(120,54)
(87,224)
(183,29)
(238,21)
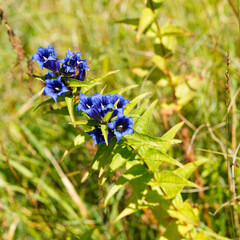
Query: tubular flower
(97,106)
(98,137)
(45,57)
(55,88)
(121,126)
(74,65)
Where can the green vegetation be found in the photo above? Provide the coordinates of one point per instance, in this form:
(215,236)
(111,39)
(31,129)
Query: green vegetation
(174,52)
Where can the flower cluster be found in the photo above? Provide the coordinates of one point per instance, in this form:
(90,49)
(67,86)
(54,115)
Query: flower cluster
(72,66)
(97,106)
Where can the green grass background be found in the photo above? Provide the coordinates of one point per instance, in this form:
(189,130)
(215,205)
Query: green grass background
(90,27)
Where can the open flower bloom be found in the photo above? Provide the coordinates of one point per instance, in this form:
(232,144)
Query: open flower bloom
(95,106)
(45,57)
(98,137)
(55,88)
(74,65)
(86,105)
(121,126)
(120,105)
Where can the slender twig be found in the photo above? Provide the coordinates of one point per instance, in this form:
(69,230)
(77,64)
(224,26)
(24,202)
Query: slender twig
(233,174)
(194,136)
(233,8)
(234,214)
(71,190)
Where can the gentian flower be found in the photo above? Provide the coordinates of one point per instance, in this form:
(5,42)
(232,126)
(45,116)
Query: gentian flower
(49,76)
(55,88)
(45,57)
(74,65)
(98,137)
(88,105)
(102,102)
(121,126)
(121,104)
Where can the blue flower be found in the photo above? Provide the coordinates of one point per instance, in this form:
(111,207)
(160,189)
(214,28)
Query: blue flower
(121,126)
(55,88)
(74,65)
(45,57)
(102,102)
(121,104)
(88,105)
(98,137)
(49,76)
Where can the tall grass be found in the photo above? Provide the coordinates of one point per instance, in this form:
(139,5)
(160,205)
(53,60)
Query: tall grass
(40,147)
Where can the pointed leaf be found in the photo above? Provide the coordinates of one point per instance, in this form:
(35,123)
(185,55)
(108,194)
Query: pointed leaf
(174,31)
(138,140)
(105,133)
(133,103)
(170,179)
(146,19)
(189,168)
(143,122)
(70,106)
(154,158)
(96,81)
(170,135)
(121,91)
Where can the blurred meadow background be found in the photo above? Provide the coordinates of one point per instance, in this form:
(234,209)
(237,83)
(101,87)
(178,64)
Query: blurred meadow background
(39,147)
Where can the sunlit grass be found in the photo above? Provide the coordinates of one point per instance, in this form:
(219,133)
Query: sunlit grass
(89,27)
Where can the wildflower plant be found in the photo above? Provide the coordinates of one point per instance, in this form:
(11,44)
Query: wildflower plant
(120,130)
(106,110)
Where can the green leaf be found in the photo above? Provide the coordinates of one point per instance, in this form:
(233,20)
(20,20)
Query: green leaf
(138,140)
(115,188)
(121,91)
(169,136)
(117,161)
(130,21)
(162,50)
(79,140)
(185,173)
(160,62)
(141,72)
(23,170)
(189,168)
(60,99)
(70,107)
(133,103)
(134,172)
(168,179)
(103,154)
(154,3)
(95,81)
(154,158)
(130,209)
(77,83)
(105,133)
(139,111)
(64,111)
(139,184)
(146,19)
(212,234)
(87,235)
(174,31)
(143,122)
(185,213)
(90,122)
